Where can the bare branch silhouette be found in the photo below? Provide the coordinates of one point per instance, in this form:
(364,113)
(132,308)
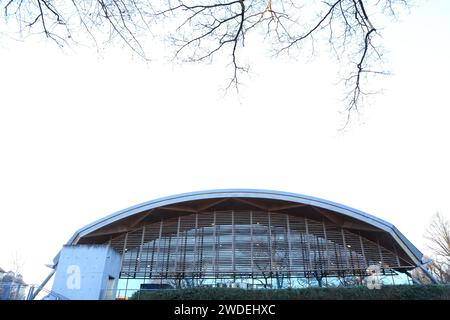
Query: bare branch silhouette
(200,30)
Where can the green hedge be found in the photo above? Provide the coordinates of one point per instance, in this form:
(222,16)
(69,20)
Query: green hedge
(401,292)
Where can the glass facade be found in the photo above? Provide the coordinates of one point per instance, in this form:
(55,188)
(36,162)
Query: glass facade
(250,249)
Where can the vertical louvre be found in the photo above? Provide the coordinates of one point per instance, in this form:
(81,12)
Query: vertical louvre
(255,244)
(242,242)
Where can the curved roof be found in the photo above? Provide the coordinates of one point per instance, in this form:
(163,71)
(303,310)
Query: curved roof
(345,211)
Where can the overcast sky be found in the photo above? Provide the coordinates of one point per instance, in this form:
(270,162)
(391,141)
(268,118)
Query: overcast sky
(82,136)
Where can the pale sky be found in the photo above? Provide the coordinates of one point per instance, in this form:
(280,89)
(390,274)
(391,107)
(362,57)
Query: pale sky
(83,136)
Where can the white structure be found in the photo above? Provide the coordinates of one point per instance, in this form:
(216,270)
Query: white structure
(87,272)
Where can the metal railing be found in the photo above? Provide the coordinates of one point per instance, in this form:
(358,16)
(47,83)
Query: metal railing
(18,291)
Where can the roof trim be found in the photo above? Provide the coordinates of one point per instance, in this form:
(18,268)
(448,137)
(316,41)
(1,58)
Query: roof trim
(409,248)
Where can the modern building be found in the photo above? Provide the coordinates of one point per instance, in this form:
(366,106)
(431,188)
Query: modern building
(238,238)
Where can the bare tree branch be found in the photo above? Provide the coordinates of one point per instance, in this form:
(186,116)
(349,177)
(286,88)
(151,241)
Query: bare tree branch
(438,236)
(200,30)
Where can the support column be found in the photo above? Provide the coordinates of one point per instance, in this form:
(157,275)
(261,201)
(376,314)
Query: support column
(308,245)
(177,246)
(270,242)
(288,227)
(251,240)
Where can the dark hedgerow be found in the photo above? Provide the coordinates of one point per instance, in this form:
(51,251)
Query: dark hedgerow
(401,292)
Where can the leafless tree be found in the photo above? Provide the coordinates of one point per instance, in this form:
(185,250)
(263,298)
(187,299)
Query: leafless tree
(17,263)
(438,236)
(439,270)
(200,30)
(303,282)
(419,277)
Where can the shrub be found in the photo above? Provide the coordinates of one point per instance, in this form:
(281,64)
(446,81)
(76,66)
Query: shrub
(401,292)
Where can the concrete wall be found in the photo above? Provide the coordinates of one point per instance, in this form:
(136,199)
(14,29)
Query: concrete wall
(83,271)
